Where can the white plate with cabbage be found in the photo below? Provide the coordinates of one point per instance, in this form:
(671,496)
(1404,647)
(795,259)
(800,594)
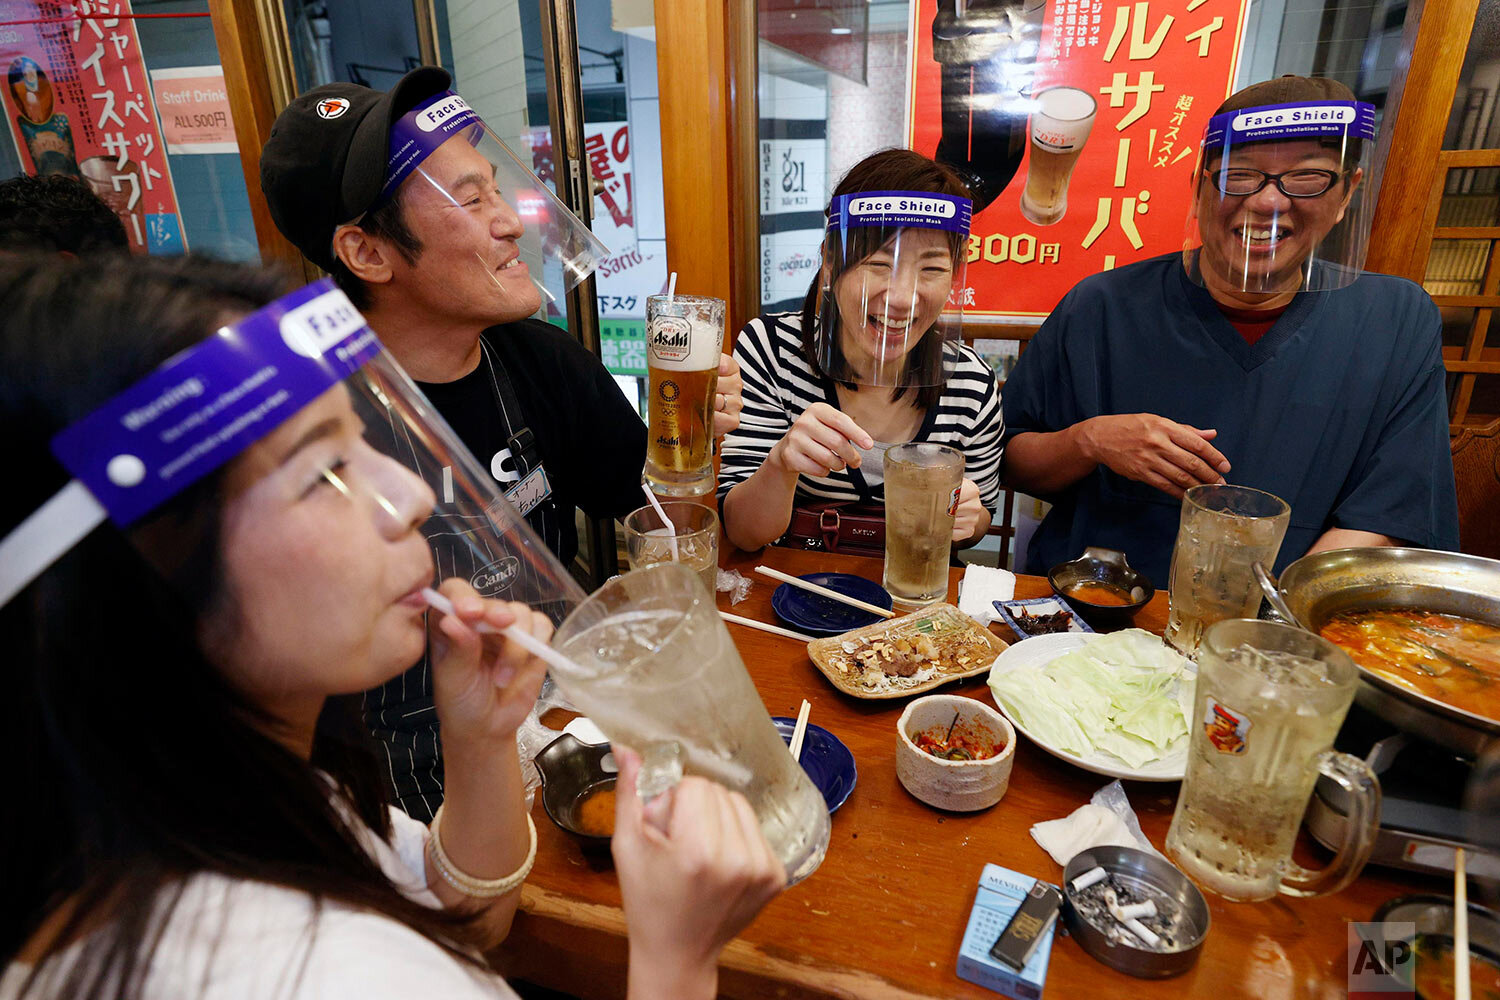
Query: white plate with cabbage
(1118,704)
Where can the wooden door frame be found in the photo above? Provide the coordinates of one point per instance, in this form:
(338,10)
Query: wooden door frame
(1433,46)
(251,36)
(706,81)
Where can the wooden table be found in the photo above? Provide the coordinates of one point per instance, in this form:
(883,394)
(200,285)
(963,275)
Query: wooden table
(884,915)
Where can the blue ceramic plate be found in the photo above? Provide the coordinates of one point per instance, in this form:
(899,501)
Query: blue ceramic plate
(826,760)
(823,616)
(1039,606)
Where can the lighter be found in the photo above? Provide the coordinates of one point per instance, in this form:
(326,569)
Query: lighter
(1027,928)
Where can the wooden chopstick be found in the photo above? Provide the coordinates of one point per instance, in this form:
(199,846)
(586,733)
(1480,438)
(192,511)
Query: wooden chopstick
(1460,927)
(773,629)
(800,730)
(776,574)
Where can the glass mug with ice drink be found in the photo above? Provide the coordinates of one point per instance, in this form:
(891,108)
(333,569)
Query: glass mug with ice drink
(655,669)
(1224,532)
(1269,700)
(921,494)
(692,538)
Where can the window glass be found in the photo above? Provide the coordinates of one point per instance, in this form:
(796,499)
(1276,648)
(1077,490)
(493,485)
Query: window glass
(135,107)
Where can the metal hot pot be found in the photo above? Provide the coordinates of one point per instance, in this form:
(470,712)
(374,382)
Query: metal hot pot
(1319,586)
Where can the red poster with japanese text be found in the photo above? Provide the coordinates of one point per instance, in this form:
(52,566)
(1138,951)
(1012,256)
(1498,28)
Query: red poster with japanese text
(1014,95)
(78,102)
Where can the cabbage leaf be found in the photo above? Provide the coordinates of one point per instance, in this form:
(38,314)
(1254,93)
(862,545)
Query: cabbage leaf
(1126,694)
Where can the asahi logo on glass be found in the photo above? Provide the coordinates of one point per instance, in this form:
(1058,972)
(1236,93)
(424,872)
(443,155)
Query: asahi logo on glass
(671,338)
(684,334)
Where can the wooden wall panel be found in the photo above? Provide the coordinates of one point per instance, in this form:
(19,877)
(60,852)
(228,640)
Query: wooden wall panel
(1421,99)
(705,71)
(254,102)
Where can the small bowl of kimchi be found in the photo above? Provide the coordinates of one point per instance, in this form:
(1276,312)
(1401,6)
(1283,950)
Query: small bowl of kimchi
(954,752)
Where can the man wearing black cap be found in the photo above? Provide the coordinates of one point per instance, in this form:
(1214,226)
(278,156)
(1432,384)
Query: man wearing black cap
(1261,353)
(429,246)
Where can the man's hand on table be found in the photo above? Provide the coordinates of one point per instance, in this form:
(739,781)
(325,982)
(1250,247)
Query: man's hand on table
(694,871)
(1154,450)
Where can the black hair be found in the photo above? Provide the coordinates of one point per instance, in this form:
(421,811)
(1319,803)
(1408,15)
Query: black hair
(887,170)
(137,765)
(387,220)
(57,213)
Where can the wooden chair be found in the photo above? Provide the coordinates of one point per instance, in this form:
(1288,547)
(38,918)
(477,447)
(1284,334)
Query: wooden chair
(1476,469)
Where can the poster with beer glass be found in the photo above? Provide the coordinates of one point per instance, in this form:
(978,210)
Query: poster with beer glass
(684,336)
(1076,125)
(78,103)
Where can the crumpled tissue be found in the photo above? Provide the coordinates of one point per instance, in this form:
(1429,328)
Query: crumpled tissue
(1106,819)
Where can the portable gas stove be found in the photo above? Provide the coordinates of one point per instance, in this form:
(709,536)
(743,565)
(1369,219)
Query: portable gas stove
(1422,788)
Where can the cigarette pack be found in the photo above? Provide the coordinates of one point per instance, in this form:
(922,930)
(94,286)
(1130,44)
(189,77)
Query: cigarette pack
(1001,893)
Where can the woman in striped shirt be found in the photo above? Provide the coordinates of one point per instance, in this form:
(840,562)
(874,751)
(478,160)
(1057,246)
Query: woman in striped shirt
(806,437)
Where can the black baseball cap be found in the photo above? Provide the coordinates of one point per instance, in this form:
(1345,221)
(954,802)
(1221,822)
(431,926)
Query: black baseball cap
(325,160)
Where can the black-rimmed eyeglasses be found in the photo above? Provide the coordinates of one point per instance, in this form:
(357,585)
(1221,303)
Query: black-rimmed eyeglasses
(1244,181)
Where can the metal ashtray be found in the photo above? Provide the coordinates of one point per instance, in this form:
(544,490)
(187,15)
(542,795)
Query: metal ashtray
(1107,566)
(1181,922)
(573,771)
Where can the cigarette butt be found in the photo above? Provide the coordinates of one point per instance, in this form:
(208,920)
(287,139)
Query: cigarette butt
(1089,878)
(1141,931)
(1137,910)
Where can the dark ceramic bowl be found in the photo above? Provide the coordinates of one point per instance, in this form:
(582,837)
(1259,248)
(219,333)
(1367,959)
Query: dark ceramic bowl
(1102,566)
(572,771)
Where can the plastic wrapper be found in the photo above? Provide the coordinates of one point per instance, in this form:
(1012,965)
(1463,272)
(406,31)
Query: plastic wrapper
(733,583)
(1107,819)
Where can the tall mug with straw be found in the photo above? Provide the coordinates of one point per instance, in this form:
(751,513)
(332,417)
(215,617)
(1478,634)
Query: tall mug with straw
(684,336)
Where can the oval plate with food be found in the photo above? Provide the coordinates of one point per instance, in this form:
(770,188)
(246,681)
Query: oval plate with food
(1036,616)
(906,655)
(1066,706)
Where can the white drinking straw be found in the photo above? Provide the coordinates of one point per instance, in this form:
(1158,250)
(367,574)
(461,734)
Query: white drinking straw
(671,528)
(531,643)
(671,289)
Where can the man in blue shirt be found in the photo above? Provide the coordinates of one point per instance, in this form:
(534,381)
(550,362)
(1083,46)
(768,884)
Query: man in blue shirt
(1261,355)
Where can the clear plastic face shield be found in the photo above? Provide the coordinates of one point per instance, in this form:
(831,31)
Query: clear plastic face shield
(1280,198)
(890,309)
(340,493)
(504,234)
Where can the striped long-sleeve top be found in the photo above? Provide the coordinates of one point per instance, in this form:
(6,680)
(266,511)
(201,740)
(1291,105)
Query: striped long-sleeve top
(780,384)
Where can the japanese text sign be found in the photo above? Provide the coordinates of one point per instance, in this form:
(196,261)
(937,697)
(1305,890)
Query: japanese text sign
(78,102)
(1077,123)
(193,104)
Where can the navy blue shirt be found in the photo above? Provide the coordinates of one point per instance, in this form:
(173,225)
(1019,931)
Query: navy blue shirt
(1339,409)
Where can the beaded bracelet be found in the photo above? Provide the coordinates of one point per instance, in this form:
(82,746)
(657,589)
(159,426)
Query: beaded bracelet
(478,888)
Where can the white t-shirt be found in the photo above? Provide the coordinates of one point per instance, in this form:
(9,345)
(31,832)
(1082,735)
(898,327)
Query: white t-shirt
(229,939)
